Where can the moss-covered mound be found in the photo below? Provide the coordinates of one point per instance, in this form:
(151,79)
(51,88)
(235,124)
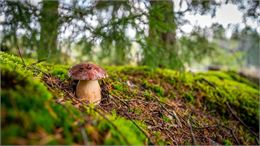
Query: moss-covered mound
(30,115)
(139,106)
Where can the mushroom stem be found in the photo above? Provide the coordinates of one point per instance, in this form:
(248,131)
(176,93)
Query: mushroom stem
(89,90)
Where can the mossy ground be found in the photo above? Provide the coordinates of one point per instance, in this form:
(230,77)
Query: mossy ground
(139,106)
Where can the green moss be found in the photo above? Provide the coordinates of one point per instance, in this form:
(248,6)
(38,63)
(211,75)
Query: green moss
(60,71)
(219,88)
(28,107)
(11,132)
(244,99)
(5,57)
(27,113)
(137,111)
(240,79)
(156,88)
(148,95)
(229,75)
(118,86)
(218,74)
(127,130)
(189,97)
(227,142)
(166,119)
(21,107)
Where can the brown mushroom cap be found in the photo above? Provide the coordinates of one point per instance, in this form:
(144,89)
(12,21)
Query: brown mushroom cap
(87,71)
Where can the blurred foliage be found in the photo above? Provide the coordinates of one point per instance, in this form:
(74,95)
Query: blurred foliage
(196,46)
(241,50)
(250,44)
(106,31)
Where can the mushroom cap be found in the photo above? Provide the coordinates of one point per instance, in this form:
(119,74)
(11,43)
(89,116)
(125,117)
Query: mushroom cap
(87,71)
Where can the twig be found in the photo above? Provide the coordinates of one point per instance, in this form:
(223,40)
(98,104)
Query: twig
(207,127)
(212,142)
(194,142)
(171,137)
(233,134)
(233,113)
(172,113)
(111,97)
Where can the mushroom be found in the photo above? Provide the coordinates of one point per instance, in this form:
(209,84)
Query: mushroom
(88,87)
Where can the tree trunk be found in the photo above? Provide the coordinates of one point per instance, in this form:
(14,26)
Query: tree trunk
(162,35)
(166,8)
(49,31)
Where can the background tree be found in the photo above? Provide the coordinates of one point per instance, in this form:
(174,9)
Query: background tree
(49,24)
(161,41)
(101,30)
(250,45)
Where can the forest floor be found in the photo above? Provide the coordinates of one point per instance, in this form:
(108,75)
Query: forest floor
(139,106)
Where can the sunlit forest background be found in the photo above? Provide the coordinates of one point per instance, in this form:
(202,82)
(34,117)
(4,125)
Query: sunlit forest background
(179,34)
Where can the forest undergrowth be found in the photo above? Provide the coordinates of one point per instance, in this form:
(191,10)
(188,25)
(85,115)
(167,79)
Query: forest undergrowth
(139,105)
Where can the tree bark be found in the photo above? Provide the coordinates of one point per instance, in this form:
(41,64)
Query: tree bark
(168,18)
(162,35)
(49,31)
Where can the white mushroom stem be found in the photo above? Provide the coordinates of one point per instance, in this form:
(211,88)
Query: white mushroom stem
(89,90)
